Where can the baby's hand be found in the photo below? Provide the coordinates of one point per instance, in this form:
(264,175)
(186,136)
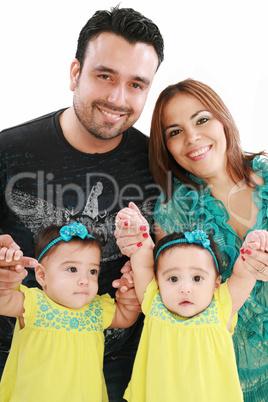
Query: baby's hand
(9,254)
(257,240)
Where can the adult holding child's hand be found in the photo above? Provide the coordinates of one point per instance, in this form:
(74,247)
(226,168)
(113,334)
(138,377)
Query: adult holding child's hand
(12,263)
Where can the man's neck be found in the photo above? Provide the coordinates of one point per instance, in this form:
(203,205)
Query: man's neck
(81,139)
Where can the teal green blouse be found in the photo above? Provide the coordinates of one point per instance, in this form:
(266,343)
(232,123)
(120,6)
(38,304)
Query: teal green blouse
(190,209)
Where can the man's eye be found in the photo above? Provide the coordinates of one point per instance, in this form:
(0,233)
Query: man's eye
(72,269)
(173,279)
(104,76)
(197,278)
(135,85)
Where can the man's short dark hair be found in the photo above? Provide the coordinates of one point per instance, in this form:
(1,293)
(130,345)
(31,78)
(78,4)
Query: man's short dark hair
(125,22)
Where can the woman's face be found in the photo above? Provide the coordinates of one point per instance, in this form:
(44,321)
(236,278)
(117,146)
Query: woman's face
(194,137)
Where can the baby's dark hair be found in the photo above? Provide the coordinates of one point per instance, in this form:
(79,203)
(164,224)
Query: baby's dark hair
(178,236)
(50,233)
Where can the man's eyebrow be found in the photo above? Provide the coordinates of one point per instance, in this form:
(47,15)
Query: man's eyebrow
(104,69)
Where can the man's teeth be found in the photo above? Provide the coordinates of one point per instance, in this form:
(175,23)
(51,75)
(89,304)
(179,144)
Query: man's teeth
(113,116)
(200,152)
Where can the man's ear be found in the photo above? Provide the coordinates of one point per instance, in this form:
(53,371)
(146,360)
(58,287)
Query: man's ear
(74,73)
(40,274)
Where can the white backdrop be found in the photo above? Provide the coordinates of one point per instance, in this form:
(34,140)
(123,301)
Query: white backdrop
(220,42)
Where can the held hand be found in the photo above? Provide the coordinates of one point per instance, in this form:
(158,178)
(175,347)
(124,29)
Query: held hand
(12,264)
(257,240)
(132,229)
(126,294)
(257,263)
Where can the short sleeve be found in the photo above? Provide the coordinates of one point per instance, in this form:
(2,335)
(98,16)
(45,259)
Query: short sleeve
(224,297)
(108,306)
(149,295)
(29,302)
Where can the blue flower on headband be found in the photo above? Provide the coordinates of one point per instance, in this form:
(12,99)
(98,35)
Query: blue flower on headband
(197,236)
(66,234)
(74,229)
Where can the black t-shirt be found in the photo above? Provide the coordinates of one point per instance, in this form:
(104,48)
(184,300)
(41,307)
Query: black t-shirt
(44,180)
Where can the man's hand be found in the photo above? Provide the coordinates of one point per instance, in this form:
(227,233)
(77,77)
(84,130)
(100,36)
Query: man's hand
(12,263)
(126,294)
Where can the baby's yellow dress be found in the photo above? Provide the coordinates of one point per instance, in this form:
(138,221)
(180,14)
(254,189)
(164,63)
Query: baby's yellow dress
(185,359)
(58,355)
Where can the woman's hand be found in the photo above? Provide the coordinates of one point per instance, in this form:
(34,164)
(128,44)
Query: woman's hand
(258,261)
(131,229)
(255,252)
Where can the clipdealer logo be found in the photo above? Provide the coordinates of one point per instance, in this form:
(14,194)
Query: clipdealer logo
(50,193)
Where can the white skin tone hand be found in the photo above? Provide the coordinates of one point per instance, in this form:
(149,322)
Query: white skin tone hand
(126,291)
(132,229)
(12,264)
(255,253)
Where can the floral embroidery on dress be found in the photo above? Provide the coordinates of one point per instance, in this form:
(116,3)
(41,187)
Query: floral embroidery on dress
(89,319)
(191,209)
(208,316)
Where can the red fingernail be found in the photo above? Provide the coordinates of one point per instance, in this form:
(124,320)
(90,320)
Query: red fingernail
(243,259)
(126,223)
(145,235)
(242,251)
(247,251)
(139,244)
(143,228)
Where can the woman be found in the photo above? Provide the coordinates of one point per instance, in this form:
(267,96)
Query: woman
(211,184)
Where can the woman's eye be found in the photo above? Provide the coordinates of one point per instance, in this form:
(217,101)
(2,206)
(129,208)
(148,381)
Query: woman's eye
(197,278)
(174,133)
(173,279)
(72,269)
(203,120)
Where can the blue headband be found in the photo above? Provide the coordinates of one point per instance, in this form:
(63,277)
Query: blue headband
(197,237)
(75,229)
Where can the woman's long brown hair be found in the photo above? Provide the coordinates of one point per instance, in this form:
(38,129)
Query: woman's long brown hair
(161,160)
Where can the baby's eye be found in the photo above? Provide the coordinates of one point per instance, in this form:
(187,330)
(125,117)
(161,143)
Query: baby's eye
(93,272)
(72,269)
(197,278)
(173,279)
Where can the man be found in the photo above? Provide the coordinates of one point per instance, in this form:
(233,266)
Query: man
(86,162)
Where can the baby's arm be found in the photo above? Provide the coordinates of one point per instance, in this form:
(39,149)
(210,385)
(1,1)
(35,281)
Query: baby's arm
(11,301)
(243,277)
(142,261)
(125,316)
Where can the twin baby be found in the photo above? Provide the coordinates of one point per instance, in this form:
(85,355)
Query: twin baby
(186,347)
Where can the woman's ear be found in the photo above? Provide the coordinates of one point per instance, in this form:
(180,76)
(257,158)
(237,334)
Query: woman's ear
(40,274)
